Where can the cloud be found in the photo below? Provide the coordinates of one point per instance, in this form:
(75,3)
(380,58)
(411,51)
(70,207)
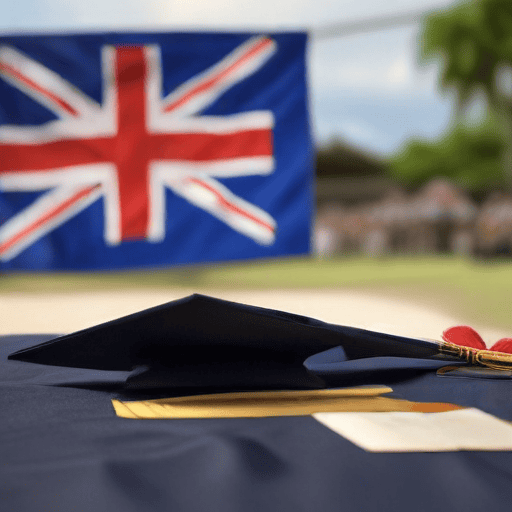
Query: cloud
(281,14)
(377,125)
(382,65)
(400,74)
(232,14)
(357,131)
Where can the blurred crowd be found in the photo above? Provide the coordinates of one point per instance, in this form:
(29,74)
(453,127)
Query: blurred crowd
(439,218)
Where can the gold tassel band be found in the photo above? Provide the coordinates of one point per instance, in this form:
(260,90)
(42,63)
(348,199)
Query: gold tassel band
(488,358)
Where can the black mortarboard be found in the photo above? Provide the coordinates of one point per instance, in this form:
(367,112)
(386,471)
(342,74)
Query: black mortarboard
(200,341)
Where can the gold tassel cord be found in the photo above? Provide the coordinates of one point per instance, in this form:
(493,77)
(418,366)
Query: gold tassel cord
(488,358)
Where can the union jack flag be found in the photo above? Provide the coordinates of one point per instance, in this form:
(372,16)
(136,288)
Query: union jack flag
(148,132)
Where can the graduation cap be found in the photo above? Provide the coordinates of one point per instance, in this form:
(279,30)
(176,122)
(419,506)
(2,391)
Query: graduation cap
(205,342)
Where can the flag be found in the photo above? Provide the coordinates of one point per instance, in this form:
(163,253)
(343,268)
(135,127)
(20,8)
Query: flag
(122,150)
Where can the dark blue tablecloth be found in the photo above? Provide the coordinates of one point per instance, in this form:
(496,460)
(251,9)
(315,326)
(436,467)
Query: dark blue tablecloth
(62,448)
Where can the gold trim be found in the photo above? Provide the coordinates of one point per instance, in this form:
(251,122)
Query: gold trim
(494,360)
(488,358)
(273,403)
(447,369)
(458,351)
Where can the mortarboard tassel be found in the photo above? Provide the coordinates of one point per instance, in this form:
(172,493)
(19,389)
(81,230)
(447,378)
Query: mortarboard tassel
(466,336)
(468,344)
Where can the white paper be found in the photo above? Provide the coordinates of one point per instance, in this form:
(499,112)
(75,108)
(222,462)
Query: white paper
(463,429)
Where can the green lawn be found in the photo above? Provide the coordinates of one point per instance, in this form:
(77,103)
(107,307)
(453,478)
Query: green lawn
(481,291)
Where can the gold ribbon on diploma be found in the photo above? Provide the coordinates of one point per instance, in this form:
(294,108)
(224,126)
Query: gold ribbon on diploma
(261,404)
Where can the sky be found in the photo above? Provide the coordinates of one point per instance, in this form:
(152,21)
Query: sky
(366,89)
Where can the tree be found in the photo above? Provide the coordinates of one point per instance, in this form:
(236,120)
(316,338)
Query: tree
(469,155)
(474,43)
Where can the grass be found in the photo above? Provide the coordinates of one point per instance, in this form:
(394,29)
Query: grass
(481,291)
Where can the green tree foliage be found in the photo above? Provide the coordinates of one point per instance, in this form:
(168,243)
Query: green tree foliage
(473,43)
(468,155)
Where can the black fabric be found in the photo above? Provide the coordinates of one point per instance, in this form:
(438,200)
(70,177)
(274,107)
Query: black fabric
(63,449)
(335,369)
(225,375)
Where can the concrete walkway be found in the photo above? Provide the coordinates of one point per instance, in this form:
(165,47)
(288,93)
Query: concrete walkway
(25,313)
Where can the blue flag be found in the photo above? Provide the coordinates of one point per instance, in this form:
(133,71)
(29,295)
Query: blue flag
(121,150)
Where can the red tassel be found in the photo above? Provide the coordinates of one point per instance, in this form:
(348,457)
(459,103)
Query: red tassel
(464,336)
(503,345)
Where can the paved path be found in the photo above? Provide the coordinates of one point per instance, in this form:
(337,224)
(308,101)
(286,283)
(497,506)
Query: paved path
(67,312)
